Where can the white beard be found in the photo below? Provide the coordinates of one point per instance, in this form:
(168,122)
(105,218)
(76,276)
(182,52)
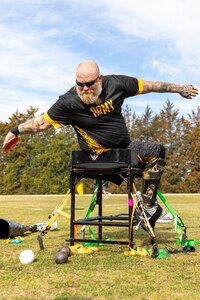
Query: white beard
(89,97)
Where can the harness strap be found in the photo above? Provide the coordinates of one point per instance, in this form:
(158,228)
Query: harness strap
(155,216)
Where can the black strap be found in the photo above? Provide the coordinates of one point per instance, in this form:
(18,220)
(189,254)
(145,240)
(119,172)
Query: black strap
(15,131)
(155,216)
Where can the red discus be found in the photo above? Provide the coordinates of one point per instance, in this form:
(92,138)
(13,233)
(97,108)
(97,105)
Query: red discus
(14,140)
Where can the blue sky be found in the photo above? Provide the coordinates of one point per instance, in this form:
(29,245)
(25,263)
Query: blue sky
(43,41)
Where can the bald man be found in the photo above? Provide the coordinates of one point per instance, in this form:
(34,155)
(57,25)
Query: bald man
(93,107)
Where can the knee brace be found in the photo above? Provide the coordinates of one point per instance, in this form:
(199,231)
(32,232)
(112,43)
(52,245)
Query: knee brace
(149,197)
(154,170)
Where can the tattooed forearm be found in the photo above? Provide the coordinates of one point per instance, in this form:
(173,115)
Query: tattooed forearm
(187,91)
(30,126)
(161,87)
(34,125)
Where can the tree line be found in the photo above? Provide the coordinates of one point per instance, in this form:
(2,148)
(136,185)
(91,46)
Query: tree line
(40,163)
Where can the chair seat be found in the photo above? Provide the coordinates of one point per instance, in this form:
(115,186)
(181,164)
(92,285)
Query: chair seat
(100,166)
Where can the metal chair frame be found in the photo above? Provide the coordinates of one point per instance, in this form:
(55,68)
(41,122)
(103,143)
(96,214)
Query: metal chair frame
(117,165)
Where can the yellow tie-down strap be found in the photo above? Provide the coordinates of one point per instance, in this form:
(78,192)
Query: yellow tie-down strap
(80,249)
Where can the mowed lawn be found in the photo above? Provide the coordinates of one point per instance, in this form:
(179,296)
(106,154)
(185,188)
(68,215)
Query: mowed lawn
(107,274)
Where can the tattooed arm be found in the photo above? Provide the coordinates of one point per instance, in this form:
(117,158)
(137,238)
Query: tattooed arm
(34,125)
(30,126)
(187,91)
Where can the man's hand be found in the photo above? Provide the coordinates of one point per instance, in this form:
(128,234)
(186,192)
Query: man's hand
(10,140)
(189,91)
(30,126)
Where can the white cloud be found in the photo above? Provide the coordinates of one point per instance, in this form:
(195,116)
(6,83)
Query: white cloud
(42,41)
(164,68)
(16,100)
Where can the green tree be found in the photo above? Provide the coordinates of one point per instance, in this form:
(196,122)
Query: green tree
(190,153)
(145,129)
(40,163)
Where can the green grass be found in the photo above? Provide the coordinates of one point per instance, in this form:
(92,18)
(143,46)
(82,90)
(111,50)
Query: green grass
(108,274)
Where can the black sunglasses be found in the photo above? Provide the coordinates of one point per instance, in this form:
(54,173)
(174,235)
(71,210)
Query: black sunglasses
(88,84)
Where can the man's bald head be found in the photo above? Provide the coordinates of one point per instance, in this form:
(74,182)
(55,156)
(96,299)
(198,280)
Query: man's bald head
(87,69)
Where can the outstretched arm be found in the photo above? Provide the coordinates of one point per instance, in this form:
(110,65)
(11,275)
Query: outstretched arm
(30,126)
(187,91)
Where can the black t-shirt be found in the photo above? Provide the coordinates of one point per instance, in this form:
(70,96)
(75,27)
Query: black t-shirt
(100,126)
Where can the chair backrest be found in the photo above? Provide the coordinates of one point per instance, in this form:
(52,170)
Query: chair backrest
(113,159)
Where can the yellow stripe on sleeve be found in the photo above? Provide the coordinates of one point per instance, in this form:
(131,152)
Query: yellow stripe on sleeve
(52,122)
(140,86)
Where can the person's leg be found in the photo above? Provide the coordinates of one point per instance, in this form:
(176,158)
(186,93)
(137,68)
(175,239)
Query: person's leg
(153,169)
(106,193)
(151,159)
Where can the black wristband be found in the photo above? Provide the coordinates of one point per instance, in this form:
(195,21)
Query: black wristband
(15,131)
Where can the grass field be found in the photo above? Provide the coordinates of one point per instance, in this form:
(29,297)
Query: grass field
(108,274)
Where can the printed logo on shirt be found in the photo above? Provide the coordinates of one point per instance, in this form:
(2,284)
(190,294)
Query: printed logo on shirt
(103,108)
